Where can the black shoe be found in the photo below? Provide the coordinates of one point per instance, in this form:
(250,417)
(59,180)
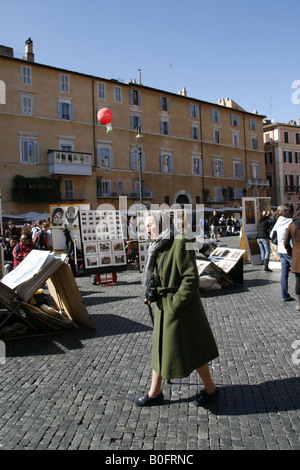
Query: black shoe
(289,299)
(150,401)
(205,399)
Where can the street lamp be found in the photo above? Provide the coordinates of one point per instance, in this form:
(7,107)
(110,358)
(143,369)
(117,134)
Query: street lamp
(140,145)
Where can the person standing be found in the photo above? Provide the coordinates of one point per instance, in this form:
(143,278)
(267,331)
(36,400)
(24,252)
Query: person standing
(285,214)
(182,337)
(293,233)
(263,238)
(22,249)
(213,224)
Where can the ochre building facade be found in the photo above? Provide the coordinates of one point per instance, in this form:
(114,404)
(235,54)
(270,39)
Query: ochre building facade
(54,150)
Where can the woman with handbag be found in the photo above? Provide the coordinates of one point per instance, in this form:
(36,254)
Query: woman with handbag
(182,337)
(285,213)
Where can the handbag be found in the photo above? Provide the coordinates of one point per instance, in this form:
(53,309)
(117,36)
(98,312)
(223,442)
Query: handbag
(151,293)
(274,238)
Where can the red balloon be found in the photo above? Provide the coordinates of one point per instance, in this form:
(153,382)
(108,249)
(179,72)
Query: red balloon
(104,115)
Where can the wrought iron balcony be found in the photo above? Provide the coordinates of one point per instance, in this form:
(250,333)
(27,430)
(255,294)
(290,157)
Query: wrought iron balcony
(69,163)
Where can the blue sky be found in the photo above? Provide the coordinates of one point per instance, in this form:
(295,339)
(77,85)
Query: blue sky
(245,50)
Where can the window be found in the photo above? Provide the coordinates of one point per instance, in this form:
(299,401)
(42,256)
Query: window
(218,168)
(105,156)
(135,97)
(289,183)
(165,127)
(194,111)
(255,171)
(101,91)
(27,104)
(270,179)
(234,120)
(164,103)
(196,166)
(65,110)
(68,189)
(238,170)
(195,134)
(297,157)
(26,75)
(215,115)
(286,137)
(64,83)
(134,160)
(118,94)
(105,188)
(29,150)
(252,124)
(238,193)
(254,143)
(268,158)
(216,136)
(135,121)
(235,139)
(297,137)
(287,156)
(218,193)
(166,163)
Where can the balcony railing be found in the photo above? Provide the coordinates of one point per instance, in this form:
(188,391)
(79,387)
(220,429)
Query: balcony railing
(291,189)
(256,183)
(69,163)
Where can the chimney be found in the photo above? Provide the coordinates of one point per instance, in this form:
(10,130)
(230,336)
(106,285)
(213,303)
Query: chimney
(140,77)
(29,55)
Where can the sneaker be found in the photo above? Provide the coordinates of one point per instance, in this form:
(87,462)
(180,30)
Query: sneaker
(205,399)
(289,299)
(150,401)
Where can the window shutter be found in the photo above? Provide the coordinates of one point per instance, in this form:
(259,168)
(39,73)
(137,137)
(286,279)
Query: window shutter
(171,164)
(71,108)
(132,160)
(111,158)
(161,163)
(221,168)
(36,152)
(214,167)
(59,110)
(241,170)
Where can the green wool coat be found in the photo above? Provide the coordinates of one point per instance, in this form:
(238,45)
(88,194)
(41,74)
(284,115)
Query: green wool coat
(182,337)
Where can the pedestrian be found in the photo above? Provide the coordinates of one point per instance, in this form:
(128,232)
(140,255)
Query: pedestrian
(8,254)
(41,240)
(213,224)
(285,214)
(263,238)
(11,231)
(293,233)
(182,337)
(22,249)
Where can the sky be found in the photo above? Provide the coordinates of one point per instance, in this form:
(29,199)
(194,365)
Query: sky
(245,50)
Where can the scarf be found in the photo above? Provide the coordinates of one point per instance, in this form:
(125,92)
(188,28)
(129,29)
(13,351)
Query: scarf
(155,246)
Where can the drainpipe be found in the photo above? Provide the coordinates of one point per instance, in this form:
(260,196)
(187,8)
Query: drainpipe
(94,121)
(201,144)
(245,147)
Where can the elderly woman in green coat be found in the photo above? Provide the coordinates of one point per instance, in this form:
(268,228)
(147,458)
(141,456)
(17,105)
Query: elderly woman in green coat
(182,337)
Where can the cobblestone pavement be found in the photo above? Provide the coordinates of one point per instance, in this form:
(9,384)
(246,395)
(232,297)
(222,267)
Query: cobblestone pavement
(75,391)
